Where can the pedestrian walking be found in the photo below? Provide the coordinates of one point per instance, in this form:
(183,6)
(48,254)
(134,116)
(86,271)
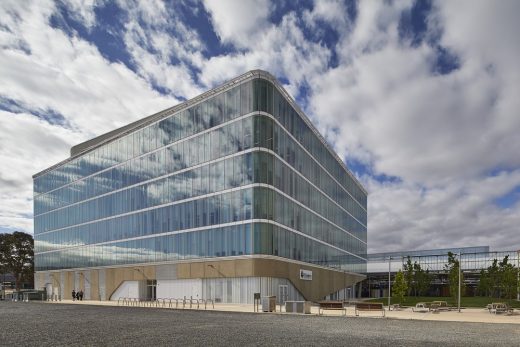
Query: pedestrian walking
(73,294)
(81,295)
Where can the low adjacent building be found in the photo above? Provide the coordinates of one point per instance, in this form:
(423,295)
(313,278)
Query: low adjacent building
(473,259)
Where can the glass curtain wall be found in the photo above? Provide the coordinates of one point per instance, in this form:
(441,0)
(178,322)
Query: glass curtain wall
(199,183)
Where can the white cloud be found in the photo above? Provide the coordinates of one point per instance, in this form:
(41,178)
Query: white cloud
(27,145)
(442,135)
(238,22)
(283,50)
(384,104)
(83,11)
(154,37)
(69,76)
(331,11)
(404,216)
(43,69)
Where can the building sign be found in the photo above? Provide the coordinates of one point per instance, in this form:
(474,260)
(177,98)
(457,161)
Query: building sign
(305,275)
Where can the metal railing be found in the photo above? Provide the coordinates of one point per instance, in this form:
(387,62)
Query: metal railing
(190,303)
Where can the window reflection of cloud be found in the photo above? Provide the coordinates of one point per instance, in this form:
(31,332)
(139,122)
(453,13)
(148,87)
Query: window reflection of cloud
(205,115)
(133,173)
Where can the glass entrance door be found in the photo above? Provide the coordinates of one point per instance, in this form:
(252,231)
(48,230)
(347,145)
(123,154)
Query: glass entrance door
(283,293)
(151,289)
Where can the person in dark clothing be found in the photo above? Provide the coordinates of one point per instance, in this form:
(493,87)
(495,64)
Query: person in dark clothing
(77,295)
(81,295)
(73,294)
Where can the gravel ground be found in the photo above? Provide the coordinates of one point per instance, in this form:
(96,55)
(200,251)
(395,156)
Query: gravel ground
(44,324)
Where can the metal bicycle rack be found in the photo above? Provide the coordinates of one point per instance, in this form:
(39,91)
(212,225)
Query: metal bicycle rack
(161,302)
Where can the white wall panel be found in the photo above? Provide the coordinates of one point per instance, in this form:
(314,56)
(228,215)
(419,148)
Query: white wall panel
(179,288)
(62,284)
(127,289)
(102,288)
(76,281)
(166,272)
(86,291)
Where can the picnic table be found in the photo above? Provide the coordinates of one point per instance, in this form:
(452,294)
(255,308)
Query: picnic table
(499,307)
(421,307)
(440,305)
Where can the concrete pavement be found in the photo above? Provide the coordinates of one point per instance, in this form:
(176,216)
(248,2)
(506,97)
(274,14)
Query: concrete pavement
(475,315)
(82,324)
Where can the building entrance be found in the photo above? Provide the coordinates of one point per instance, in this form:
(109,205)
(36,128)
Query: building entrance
(283,293)
(151,289)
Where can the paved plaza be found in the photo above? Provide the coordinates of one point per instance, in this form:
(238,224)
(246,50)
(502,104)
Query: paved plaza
(46,324)
(474,315)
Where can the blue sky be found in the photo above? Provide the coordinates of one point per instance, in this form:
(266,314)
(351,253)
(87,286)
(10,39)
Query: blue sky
(420,98)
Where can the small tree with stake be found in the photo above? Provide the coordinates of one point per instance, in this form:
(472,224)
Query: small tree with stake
(409,275)
(400,286)
(508,278)
(422,279)
(453,276)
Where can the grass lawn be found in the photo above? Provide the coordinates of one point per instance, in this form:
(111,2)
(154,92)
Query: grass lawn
(469,301)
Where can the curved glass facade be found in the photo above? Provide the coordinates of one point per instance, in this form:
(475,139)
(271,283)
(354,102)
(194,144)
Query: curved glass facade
(239,173)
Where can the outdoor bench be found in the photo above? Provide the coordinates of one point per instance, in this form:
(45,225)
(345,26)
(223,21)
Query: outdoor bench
(440,305)
(370,306)
(331,305)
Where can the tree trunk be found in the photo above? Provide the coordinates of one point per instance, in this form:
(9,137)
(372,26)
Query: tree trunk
(17,279)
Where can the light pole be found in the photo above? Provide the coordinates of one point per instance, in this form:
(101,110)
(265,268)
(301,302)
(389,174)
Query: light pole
(369,287)
(2,291)
(389,282)
(518,275)
(460,265)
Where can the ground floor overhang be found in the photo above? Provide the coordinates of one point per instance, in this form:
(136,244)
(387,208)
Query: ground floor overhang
(313,282)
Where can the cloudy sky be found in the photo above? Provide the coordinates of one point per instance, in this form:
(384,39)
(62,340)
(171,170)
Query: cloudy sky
(421,99)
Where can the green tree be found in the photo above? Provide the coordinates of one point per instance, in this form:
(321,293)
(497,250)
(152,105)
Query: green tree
(400,287)
(417,279)
(453,276)
(507,278)
(484,283)
(17,256)
(493,273)
(408,275)
(422,279)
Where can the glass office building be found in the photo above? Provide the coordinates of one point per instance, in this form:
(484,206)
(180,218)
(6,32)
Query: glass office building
(210,194)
